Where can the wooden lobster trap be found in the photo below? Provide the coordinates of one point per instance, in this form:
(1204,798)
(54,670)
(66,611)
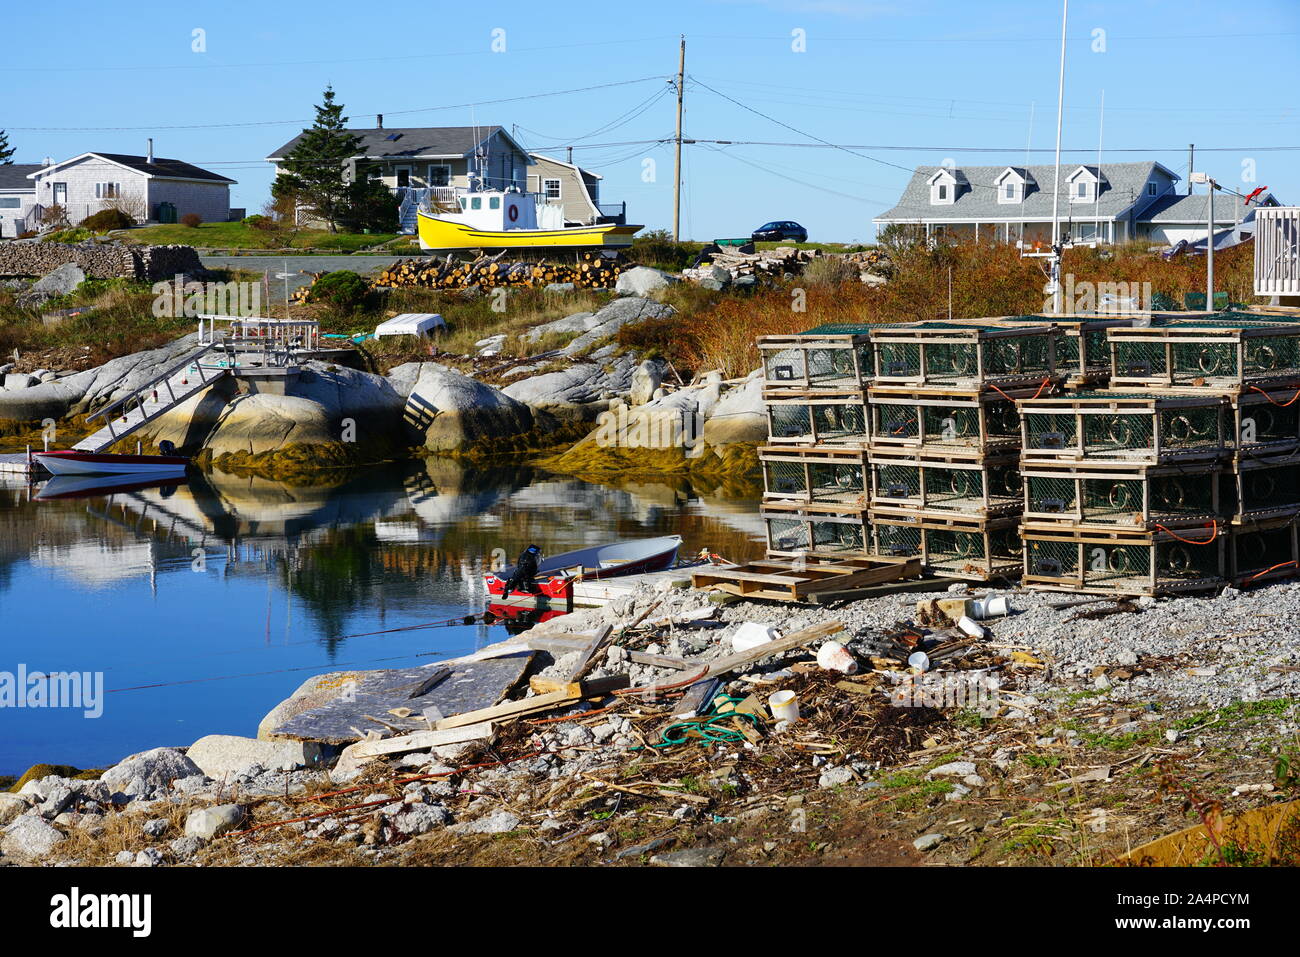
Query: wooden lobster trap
(1266,420)
(813,362)
(1266,486)
(1123,427)
(1082,351)
(953,355)
(822,474)
(962,482)
(923,420)
(949,546)
(824,530)
(1264,551)
(1136,496)
(1123,561)
(1216,355)
(819,420)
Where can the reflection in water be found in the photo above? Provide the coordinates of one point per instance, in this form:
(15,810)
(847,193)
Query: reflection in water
(242,587)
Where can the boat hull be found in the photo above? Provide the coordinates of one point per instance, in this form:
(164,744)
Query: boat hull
(90,463)
(557,574)
(442,234)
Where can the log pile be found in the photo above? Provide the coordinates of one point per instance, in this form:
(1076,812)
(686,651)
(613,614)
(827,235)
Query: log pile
(593,271)
(763,264)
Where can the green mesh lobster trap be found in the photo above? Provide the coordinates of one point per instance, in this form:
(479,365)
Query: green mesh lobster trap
(811,363)
(1266,420)
(1124,495)
(1267,486)
(950,547)
(1263,551)
(1123,562)
(815,421)
(824,474)
(959,356)
(928,419)
(905,482)
(824,531)
(1082,351)
(1123,427)
(1220,355)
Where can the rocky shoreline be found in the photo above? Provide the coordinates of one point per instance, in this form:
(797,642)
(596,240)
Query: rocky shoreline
(1104,719)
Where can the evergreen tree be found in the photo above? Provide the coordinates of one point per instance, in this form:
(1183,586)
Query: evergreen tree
(6,151)
(314,170)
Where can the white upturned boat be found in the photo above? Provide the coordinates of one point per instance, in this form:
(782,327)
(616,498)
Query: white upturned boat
(73,462)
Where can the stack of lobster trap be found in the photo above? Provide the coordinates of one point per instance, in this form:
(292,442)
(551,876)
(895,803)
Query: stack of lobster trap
(1100,454)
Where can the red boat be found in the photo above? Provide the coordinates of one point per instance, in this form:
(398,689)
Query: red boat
(556,575)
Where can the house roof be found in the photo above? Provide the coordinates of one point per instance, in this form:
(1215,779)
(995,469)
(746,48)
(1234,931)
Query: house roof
(438,142)
(572,166)
(14,176)
(1122,185)
(160,167)
(1191,209)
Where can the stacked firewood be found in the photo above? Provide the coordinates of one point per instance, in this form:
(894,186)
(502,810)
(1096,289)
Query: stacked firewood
(592,271)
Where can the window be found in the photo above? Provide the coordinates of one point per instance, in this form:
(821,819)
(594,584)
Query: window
(551,189)
(943,190)
(10,202)
(1151,189)
(1081,189)
(1009,190)
(476,202)
(439,175)
(403,177)
(108,190)
(494,202)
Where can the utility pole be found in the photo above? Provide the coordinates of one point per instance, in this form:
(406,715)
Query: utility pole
(677,157)
(1056,184)
(1191,165)
(1209,244)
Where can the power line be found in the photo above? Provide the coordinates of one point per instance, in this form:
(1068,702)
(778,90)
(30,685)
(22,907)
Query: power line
(299,122)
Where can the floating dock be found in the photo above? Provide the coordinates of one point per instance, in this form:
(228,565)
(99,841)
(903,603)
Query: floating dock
(19,463)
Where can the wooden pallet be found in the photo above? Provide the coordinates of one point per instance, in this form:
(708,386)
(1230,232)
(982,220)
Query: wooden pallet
(793,581)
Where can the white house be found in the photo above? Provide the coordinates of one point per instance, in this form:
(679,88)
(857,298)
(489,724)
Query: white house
(1110,203)
(140,186)
(17,199)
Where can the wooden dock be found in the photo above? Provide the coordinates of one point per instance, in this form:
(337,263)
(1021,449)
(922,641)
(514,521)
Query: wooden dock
(791,581)
(19,463)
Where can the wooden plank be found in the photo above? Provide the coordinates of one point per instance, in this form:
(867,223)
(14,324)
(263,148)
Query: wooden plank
(722,666)
(420,740)
(587,658)
(509,709)
(592,688)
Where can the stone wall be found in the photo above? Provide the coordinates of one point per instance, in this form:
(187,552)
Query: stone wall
(99,260)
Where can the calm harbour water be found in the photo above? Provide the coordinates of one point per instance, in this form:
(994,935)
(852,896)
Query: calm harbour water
(206,604)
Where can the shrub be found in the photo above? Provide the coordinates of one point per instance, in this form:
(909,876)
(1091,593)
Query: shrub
(192,220)
(107,219)
(77,235)
(830,271)
(657,248)
(368,204)
(258,221)
(343,290)
(29,234)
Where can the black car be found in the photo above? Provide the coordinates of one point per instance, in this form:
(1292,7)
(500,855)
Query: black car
(780,231)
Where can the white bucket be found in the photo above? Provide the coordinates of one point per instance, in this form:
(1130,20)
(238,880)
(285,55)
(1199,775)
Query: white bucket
(751,634)
(971,627)
(833,656)
(990,606)
(784,706)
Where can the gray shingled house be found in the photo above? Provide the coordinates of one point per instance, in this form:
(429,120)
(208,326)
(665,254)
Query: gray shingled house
(1110,203)
(17,199)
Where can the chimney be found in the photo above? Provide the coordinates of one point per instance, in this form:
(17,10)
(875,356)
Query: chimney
(149,158)
(379,121)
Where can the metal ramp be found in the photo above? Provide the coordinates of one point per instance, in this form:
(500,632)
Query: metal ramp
(145,403)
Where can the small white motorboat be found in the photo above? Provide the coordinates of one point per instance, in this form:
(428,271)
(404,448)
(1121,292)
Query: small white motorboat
(73,462)
(556,574)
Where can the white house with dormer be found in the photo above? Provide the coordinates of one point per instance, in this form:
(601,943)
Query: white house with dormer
(1107,203)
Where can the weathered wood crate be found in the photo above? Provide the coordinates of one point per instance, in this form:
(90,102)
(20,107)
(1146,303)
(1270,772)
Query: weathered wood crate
(1082,352)
(928,419)
(957,356)
(1123,561)
(829,474)
(808,421)
(823,530)
(1264,551)
(1135,496)
(950,547)
(1214,355)
(1266,420)
(963,482)
(1265,486)
(1123,427)
(811,363)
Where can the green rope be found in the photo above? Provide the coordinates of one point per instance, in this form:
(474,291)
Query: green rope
(709,730)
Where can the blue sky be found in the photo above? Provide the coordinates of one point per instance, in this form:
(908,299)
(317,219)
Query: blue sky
(937,77)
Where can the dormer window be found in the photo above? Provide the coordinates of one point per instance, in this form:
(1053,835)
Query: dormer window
(1084,184)
(1011,185)
(1009,192)
(944,184)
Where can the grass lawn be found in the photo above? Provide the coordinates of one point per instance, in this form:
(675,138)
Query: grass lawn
(239,236)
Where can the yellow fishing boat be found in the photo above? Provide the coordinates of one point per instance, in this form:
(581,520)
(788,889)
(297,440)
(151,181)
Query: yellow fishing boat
(508,219)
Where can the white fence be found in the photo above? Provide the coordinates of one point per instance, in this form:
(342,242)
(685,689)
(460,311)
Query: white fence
(1277,251)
